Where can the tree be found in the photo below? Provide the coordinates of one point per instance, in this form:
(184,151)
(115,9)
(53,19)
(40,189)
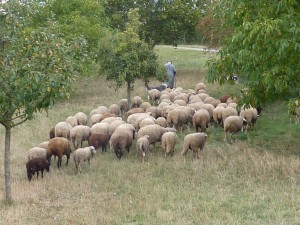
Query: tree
(264,49)
(163,21)
(126,58)
(37,67)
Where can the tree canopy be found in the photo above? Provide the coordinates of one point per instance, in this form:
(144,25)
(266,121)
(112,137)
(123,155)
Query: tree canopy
(125,57)
(37,67)
(264,48)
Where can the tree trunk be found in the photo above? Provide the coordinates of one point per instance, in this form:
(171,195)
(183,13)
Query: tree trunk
(129,95)
(7,164)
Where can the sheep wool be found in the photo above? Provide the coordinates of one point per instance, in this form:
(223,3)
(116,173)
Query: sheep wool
(142,147)
(233,125)
(37,152)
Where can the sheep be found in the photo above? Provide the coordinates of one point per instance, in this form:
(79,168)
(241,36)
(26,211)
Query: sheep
(43,144)
(100,128)
(114,109)
(210,108)
(224,98)
(250,115)
(196,105)
(155,132)
(146,122)
(123,105)
(113,126)
(99,110)
(145,105)
(140,118)
(72,121)
(62,129)
(217,115)
(136,102)
(229,111)
(122,139)
(233,124)
(79,134)
(83,154)
(168,109)
(52,133)
(97,118)
(99,140)
(201,119)
(155,111)
(37,152)
(35,165)
(81,118)
(163,104)
(194,142)
(164,96)
(58,146)
(202,96)
(109,120)
(168,141)
(154,95)
(180,102)
(178,118)
(133,111)
(161,121)
(200,86)
(183,96)
(132,118)
(142,147)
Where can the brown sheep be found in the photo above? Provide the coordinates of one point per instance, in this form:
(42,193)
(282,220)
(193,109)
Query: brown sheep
(99,140)
(35,165)
(58,146)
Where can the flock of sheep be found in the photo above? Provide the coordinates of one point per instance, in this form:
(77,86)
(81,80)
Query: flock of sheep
(156,121)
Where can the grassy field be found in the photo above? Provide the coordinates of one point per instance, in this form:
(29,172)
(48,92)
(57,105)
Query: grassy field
(253,181)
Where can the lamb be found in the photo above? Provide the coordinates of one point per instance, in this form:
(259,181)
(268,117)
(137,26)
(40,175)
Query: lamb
(142,147)
(81,118)
(123,105)
(72,121)
(201,119)
(233,124)
(79,134)
(168,141)
(161,121)
(155,132)
(154,95)
(114,109)
(99,140)
(35,165)
(37,152)
(83,154)
(194,142)
(122,139)
(58,146)
(62,129)
(136,102)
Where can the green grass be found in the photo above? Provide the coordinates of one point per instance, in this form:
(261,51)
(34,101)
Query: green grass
(252,181)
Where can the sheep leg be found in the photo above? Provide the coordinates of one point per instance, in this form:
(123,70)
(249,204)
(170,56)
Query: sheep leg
(42,172)
(37,174)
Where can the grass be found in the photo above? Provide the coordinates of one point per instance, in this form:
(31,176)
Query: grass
(252,181)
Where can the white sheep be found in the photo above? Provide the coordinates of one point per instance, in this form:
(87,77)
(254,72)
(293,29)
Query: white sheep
(168,141)
(37,152)
(194,142)
(72,121)
(81,118)
(83,154)
(201,119)
(79,134)
(62,129)
(142,147)
(233,125)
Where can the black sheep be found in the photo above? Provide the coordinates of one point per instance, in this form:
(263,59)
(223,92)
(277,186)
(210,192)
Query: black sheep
(35,165)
